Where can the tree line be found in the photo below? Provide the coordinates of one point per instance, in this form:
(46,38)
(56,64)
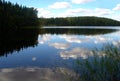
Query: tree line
(14,16)
(79,21)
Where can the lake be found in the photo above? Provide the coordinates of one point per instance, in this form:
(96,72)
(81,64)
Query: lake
(54,47)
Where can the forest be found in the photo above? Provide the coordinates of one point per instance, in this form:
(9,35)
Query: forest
(13,16)
(79,21)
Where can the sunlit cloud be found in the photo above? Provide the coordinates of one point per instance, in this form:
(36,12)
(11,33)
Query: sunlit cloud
(44,13)
(59,45)
(102,11)
(76,53)
(60,5)
(68,9)
(72,12)
(81,1)
(117,7)
(78,10)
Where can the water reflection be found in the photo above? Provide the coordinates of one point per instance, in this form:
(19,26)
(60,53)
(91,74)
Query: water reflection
(37,74)
(43,38)
(49,54)
(52,47)
(60,45)
(77,31)
(17,40)
(76,53)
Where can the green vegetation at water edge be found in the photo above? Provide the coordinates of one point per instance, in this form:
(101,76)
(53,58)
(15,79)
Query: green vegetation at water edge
(103,66)
(13,16)
(79,21)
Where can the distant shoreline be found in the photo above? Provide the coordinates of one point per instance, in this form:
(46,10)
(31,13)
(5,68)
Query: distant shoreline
(83,27)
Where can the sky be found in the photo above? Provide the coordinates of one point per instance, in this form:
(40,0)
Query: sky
(71,8)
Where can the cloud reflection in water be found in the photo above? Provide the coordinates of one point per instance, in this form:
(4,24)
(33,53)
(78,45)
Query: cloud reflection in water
(44,38)
(73,39)
(36,74)
(59,45)
(75,53)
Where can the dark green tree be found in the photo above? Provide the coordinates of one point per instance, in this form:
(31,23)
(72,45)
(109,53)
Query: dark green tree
(13,16)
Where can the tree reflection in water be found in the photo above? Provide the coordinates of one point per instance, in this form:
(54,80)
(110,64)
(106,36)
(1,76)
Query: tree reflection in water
(24,38)
(58,51)
(17,40)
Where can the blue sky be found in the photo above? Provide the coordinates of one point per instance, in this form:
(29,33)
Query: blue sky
(68,8)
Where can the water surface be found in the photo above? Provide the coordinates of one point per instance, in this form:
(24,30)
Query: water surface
(53,47)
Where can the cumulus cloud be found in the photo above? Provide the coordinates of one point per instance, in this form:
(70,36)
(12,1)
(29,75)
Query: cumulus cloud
(87,12)
(60,5)
(78,10)
(117,7)
(116,16)
(81,1)
(59,45)
(44,13)
(102,11)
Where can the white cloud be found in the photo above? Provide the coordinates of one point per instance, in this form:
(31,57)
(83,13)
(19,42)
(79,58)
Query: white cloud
(117,7)
(78,10)
(59,45)
(60,5)
(102,11)
(66,14)
(44,13)
(86,12)
(116,17)
(81,1)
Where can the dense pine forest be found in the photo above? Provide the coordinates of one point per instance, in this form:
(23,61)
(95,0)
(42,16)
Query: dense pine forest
(79,21)
(13,16)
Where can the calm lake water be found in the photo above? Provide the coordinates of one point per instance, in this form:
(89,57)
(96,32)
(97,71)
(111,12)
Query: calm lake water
(53,47)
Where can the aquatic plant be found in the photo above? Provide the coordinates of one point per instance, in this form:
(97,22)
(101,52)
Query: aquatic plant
(103,66)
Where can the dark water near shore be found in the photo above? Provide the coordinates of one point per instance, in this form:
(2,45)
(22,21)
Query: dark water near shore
(53,47)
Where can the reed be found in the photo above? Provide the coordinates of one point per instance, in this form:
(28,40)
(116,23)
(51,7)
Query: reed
(103,66)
